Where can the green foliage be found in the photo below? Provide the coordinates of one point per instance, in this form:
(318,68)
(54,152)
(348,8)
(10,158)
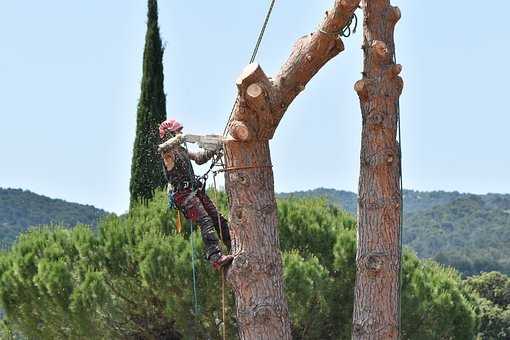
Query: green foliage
(494,304)
(434,303)
(492,286)
(146,173)
(306,285)
(310,226)
(133,280)
(20,209)
(470,234)
(318,245)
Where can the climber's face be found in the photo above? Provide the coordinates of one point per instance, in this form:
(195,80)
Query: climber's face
(169,134)
(168,160)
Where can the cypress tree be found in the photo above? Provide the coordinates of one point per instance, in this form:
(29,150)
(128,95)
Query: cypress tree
(146,173)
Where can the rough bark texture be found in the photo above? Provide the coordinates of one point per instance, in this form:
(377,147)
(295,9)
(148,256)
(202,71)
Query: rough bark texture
(256,273)
(376,305)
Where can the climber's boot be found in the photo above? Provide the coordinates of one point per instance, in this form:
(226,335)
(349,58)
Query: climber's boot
(219,260)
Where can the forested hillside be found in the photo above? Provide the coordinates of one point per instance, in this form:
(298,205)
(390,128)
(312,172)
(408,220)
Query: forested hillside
(468,232)
(20,209)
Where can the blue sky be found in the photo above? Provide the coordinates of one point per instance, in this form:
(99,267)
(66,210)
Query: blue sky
(70,79)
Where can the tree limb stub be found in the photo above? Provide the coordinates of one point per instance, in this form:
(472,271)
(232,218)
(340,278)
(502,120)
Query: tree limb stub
(252,112)
(240,131)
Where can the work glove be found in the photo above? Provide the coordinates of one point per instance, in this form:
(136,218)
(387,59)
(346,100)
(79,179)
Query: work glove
(171,143)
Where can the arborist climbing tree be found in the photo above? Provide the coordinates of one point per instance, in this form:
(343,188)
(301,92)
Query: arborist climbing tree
(187,192)
(256,271)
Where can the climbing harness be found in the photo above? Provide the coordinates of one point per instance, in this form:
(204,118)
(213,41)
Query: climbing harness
(217,159)
(253,55)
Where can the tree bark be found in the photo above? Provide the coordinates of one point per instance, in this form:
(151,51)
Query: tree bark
(256,273)
(377,295)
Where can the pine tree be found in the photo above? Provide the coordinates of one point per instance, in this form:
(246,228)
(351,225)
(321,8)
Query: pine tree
(146,173)
(378,259)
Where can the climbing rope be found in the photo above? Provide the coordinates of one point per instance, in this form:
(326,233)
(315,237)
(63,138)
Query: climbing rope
(262,31)
(236,168)
(254,54)
(345,31)
(401,226)
(223,326)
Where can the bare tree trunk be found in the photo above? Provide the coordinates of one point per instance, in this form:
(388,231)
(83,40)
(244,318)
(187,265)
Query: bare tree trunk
(376,306)
(256,272)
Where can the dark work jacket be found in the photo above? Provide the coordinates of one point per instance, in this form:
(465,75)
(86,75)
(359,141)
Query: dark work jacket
(183,170)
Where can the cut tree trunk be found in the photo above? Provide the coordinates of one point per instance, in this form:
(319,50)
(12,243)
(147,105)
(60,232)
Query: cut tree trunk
(377,295)
(256,273)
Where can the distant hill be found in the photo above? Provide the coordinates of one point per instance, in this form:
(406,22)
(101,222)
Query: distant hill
(469,232)
(413,200)
(21,209)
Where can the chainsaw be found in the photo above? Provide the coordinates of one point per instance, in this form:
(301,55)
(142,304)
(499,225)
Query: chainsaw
(206,142)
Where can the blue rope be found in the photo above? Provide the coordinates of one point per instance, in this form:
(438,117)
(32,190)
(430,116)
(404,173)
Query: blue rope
(195,300)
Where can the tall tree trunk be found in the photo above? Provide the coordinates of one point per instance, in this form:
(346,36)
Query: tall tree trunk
(256,272)
(376,305)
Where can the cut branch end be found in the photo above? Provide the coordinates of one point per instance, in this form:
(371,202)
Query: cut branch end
(395,14)
(254,91)
(361,89)
(240,131)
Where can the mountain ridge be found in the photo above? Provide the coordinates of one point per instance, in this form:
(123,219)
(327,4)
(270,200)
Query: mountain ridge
(21,209)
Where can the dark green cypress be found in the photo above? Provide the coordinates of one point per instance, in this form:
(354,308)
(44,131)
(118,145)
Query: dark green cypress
(146,169)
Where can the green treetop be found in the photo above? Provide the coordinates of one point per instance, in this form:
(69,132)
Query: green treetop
(146,173)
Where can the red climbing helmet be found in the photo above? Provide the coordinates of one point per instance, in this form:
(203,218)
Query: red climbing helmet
(169,125)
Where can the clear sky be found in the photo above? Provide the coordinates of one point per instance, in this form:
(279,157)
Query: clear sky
(70,79)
